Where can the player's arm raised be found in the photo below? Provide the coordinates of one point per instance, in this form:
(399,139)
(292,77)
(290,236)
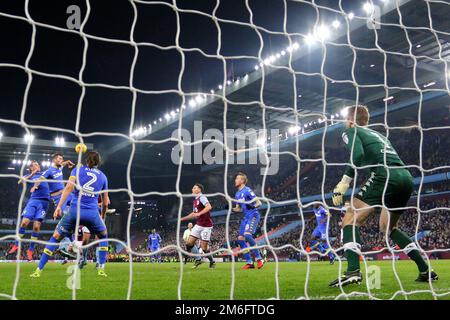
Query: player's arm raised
(37,183)
(68,163)
(70,186)
(44,176)
(356,157)
(24,178)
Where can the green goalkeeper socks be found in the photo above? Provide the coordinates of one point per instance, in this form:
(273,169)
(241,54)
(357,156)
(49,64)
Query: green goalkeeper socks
(402,240)
(351,243)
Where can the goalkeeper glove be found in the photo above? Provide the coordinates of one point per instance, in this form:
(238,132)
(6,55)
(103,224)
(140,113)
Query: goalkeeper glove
(340,190)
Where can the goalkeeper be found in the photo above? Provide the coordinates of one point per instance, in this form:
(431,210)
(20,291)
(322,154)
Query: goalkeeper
(390,185)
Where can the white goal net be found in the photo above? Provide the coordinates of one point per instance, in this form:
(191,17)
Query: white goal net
(201,90)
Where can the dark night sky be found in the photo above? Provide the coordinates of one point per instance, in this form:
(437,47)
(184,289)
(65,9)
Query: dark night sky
(53,102)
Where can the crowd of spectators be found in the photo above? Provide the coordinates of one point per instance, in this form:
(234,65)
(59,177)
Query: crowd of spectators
(433,231)
(434,154)
(433,149)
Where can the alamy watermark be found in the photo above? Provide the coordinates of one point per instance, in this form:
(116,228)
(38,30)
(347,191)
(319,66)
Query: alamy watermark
(374,277)
(232,146)
(74,280)
(73,22)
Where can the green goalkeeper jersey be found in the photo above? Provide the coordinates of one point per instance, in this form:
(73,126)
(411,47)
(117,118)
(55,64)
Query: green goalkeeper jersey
(370,148)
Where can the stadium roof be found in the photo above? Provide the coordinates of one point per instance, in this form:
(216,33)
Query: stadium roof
(14,150)
(415,59)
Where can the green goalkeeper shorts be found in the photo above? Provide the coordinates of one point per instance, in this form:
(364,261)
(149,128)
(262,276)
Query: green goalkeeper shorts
(398,189)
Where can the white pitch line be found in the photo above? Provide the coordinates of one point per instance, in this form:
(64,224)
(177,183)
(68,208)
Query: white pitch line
(381,294)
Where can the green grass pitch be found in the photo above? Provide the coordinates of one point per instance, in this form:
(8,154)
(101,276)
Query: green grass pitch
(154,281)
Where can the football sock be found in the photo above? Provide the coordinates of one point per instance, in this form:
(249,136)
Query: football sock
(210,258)
(325,248)
(193,249)
(314,244)
(247,256)
(102,251)
(404,242)
(252,243)
(352,245)
(321,247)
(97,256)
(21,234)
(34,237)
(85,252)
(48,252)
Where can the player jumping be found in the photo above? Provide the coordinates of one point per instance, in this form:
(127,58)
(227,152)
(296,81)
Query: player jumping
(92,181)
(203,227)
(250,221)
(154,244)
(35,209)
(54,175)
(390,186)
(319,234)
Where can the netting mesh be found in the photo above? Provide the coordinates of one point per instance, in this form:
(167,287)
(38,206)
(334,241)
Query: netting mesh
(264,66)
